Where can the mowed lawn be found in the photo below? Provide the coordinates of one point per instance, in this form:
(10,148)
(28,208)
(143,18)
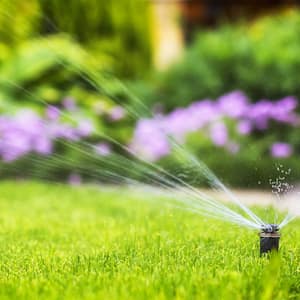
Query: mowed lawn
(62,242)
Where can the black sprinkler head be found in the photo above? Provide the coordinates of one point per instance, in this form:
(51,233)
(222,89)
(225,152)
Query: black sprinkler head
(270,228)
(269,238)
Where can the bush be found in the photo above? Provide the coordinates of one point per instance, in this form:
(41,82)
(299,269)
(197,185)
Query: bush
(49,68)
(119,29)
(239,140)
(57,71)
(40,64)
(71,71)
(44,71)
(261,58)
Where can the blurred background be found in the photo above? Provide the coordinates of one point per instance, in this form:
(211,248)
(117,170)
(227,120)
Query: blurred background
(222,78)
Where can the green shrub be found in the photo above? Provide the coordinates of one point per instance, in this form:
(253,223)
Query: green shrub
(120,29)
(42,71)
(46,70)
(261,59)
(19,20)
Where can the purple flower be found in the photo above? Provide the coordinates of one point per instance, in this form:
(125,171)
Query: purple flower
(69,104)
(244,127)
(150,140)
(52,112)
(260,114)
(74,179)
(218,134)
(202,113)
(103,149)
(19,133)
(43,145)
(14,145)
(117,113)
(85,128)
(10,155)
(28,122)
(283,111)
(175,123)
(186,120)
(282,150)
(27,132)
(234,104)
(289,103)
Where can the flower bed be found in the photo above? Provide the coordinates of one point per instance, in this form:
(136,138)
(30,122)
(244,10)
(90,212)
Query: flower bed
(230,133)
(229,122)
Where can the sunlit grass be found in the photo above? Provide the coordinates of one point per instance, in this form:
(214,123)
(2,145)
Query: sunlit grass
(61,242)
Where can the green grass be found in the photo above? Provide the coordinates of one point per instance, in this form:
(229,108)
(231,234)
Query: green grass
(59,242)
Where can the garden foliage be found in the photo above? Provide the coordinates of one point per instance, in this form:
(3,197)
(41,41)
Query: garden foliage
(228,128)
(225,133)
(118,29)
(261,58)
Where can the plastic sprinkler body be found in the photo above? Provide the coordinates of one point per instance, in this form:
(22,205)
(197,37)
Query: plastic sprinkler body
(269,238)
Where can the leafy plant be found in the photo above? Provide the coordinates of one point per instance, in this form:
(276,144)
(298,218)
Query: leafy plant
(261,59)
(118,29)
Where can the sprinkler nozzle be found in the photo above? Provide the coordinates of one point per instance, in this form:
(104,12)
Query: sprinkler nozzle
(270,228)
(269,238)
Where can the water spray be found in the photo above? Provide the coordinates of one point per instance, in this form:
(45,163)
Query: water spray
(269,238)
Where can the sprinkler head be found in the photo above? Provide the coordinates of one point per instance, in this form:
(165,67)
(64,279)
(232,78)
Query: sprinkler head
(269,238)
(270,228)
